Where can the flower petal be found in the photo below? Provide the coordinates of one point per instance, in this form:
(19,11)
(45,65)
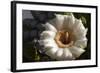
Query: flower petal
(50,27)
(79,25)
(51,52)
(58,21)
(81,43)
(80,30)
(48,43)
(76,51)
(47,34)
(59,54)
(69,21)
(79,34)
(67,55)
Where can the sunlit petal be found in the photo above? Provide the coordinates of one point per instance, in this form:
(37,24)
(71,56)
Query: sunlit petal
(47,34)
(67,55)
(69,21)
(59,54)
(48,43)
(79,34)
(50,27)
(76,51)
(82,43)
(58,21)
(51,52)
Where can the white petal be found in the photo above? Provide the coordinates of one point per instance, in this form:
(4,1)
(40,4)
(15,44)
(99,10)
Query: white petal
(79,34)
(47,34)
(50,27)
(51,52)
(76,51)
(67,55)
(81,43)
(72,19)
(79,25)
(59,54)
(58,21)
(48,43)
(69,21)
(79,30)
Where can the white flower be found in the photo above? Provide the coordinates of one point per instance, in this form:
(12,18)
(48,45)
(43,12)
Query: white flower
(64,37)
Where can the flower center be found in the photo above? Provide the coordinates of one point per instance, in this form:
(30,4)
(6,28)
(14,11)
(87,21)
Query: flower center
(63,39)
